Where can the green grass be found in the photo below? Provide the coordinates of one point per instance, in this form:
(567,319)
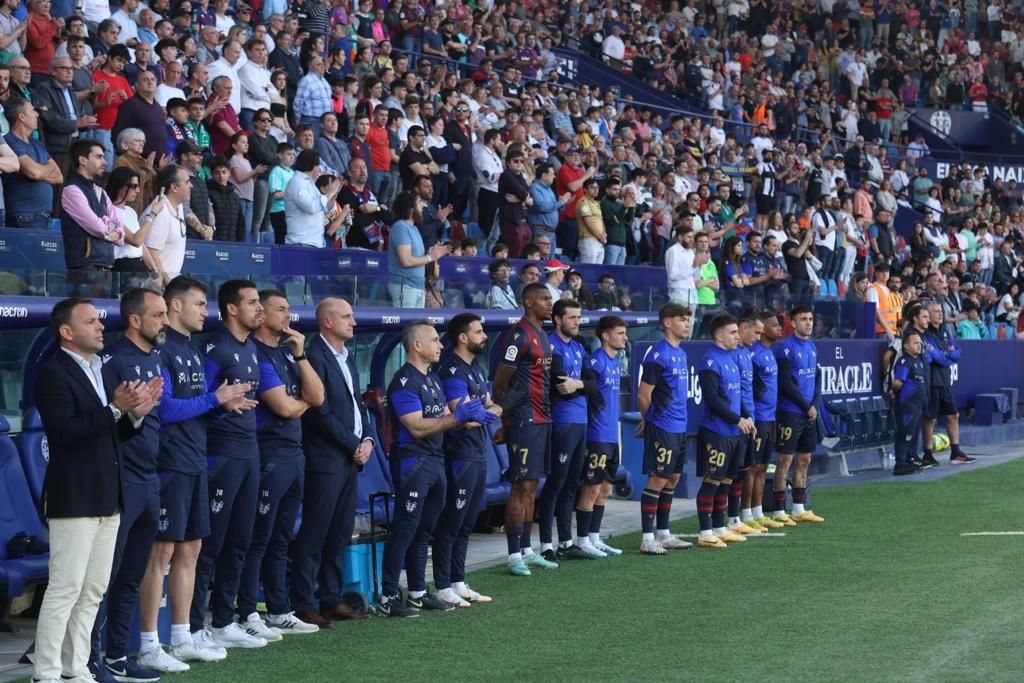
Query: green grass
(885,590)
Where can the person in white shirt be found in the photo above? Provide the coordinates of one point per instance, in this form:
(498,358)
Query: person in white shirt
(824,225)
(487,167)
(125,18)
(254,78)
(856,73)
(613,47)
(169,89)
(761,141)
(164,251)
(304,204)
(228,65)
(95,11)
(679,265)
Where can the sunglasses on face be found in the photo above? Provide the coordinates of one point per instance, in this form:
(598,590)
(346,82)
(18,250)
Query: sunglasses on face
(264,119)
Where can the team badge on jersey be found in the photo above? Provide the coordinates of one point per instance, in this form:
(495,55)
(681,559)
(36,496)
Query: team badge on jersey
(512,353)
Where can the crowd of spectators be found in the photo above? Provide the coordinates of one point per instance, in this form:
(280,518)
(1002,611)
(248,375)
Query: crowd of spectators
(407,127)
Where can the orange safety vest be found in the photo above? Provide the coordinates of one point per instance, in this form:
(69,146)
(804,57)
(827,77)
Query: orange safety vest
(761,116)
(887,309)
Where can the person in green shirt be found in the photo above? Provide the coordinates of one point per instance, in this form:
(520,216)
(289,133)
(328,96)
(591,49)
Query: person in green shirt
(196,114)
(278,182)
(973,327)
(707,284)
(967,236)
(617,215)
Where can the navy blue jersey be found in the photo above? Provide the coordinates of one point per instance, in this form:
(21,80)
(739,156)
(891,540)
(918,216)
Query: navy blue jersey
(666,369)
(567,361)
(766,383)
(745,362)
(280,438)
(459,380)
(942,352)
(604,412)
(128,363)
(721,388)
(232,435)
(914,374)
(411,391)
(528,350)
(798,367)
(183,406)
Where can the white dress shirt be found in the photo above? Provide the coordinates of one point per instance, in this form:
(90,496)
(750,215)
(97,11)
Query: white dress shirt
(342,358)
(256,86)
(304,206)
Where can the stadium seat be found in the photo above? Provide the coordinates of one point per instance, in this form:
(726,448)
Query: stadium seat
(872,421)
(858,426)
(18,516)
(35,455)
(989,409)
(377,405)
(888,426)
(1013,396)
(497,462)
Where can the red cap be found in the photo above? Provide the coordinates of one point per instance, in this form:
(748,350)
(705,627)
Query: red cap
(555,264)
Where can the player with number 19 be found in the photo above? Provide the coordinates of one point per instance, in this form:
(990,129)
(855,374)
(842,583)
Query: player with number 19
(745,362)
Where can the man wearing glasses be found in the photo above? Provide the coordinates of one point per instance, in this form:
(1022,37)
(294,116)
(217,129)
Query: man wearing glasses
(61,114)
(164,252)
(458,134)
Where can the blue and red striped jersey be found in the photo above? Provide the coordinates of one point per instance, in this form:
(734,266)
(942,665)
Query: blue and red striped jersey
(527,349)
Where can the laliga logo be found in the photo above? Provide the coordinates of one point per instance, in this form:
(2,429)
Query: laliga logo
(941,121)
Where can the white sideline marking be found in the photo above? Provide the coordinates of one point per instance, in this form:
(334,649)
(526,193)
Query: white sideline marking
(993,533)
(772,534)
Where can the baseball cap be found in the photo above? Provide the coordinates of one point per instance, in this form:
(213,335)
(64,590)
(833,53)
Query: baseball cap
(554,264)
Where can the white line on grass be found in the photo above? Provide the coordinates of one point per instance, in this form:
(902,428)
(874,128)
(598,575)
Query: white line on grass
(993,533)
(769,534)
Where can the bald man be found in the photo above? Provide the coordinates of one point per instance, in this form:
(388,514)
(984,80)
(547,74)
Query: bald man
(336,441)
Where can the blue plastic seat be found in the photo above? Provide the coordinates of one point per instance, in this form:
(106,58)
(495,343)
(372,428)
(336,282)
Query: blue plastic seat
(858,425)
(872,422)
(35,455)
(498,489)
(888,426)
(17,515)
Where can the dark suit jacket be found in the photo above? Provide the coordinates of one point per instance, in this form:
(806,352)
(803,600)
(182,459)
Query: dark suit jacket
(1002,272)
(464,157)
(56,122)
(328,438)
(85,475)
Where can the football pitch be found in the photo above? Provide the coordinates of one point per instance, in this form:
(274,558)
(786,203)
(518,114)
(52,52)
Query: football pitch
(886,589)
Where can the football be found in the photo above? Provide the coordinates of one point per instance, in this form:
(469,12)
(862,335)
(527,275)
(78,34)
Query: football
(940,442)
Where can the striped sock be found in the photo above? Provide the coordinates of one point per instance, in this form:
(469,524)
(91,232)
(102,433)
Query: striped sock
(649,500)
(705,505)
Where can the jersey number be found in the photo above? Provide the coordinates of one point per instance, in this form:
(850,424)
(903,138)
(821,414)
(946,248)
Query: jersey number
(598,462)
(757,444)
(524,453)
(664,455)
(786,433)
(716,457)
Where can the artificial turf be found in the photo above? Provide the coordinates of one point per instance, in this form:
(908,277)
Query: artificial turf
(886,589)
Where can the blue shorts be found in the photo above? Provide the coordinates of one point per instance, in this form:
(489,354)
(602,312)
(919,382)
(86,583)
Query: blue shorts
(664,452)
(601,463)
(718,455)
(184,507)
(529,450)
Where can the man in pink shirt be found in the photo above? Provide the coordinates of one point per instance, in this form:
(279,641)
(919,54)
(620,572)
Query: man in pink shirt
(88,222)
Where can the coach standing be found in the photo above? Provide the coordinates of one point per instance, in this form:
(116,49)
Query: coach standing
(86,416)
(336,442)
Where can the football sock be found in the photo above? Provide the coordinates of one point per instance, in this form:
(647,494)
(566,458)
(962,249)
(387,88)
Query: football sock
(665,507)
(417,594)
(721,503)
(595,521)
(736,494)
(513,535)
(544,547)
(663,533)
(746,514)
(780,500)
(649,500)
(954,449)
(459,586)
(757,512)
(584,518)
(565,544)
(647,536)
(515,558)
(705,505)
(151,640)
(594,538)
(927,453)
(799,498)
(525,539)
(180,635)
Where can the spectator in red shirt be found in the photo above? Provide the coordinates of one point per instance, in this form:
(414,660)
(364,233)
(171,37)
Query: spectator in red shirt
(112,92)
(224,122)
(570,179)
(43,39)
(977,93)
(380,152)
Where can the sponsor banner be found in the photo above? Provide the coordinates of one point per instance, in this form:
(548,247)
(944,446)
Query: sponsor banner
(937,170)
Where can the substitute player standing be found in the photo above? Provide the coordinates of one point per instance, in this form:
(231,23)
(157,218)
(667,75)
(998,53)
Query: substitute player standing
(721,438)
(417,402)
(288,388)
(944,352)
(569,436)
(525,369)
(602,458)
(910,393)
(465,461)
(744,361)
(766,391)
(799,391)
(662,401)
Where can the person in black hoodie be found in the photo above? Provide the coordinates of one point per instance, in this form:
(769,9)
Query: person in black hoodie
(227,205)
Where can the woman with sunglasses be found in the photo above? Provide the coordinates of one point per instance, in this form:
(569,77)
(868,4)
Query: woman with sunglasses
(262,152)
(123,187)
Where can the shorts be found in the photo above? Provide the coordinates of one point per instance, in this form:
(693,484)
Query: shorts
(765,204)
(940,402)
(763,442)
(529,450)
(795,433)
(664,452)
(601,463)
(184,507)
(718,456)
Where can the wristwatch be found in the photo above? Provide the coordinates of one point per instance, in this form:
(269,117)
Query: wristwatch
(116,412)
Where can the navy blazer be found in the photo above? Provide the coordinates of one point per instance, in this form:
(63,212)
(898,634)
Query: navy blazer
(328,439)
(85,474)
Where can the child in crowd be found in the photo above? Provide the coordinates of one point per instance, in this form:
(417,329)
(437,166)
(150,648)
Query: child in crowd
(227,206)
(279,177)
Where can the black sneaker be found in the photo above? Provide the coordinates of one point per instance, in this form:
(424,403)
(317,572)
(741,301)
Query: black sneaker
(960,459)
(429,601)
(550,556)
(915,462)
(392,606)
(574,552)
(929,461)
(127,670)
(903,470)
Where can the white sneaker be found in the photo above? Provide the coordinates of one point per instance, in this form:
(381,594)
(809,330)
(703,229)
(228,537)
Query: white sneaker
(233,635)
(200,648)
(671,542)
(255,627)
(606,549)
(588,548)
(289,624)
(449,595)
(158,660)
(471,595)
